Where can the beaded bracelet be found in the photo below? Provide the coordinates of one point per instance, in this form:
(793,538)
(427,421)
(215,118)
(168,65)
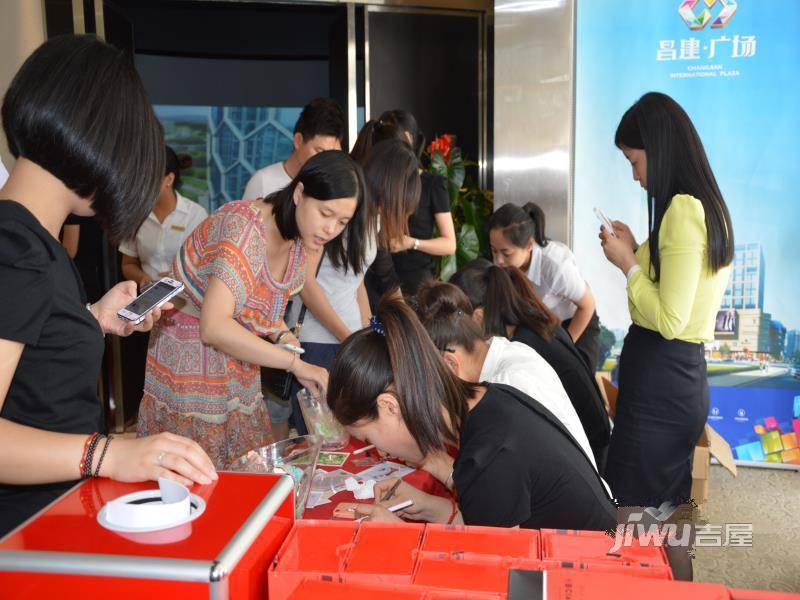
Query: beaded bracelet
(102,456)
(88,453)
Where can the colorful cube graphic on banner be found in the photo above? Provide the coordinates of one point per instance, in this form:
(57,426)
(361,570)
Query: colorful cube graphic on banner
(789,440)
(752,451)
(796,427)
(775,457)
(771,442)
(771,423)
(792,456)
(796,409)
(760,429)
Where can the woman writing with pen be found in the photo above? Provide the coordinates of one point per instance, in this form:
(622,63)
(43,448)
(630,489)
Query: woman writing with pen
(516,463)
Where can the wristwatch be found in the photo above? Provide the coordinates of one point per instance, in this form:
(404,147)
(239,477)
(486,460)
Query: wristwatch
(416,244)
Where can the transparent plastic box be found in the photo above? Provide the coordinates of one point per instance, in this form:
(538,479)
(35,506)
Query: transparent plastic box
(296,457)
(321,422)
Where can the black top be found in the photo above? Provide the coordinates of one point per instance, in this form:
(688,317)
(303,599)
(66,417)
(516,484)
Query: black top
(517,465)
(414,267)
(90,256)
(578,382)
(55,384)
(380,278)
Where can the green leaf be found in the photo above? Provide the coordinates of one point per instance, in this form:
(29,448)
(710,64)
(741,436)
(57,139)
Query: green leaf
(467,246)
(447,267)
(438,166)
(455,173)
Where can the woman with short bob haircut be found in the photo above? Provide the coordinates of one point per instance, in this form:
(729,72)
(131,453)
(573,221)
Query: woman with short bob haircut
(240,267)
(506,305)
(675,283)
(516,464)
(78,121)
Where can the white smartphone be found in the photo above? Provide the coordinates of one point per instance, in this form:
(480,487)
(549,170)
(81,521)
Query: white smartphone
(153,297)
(604,220)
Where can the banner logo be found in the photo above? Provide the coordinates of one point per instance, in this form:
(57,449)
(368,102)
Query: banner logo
(697,22)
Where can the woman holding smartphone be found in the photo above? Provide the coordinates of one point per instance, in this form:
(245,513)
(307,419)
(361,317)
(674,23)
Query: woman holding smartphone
(676,280)
(517,239)
(79,123)
(240,266)
(516,463)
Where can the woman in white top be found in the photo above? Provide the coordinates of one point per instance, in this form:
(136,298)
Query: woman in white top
(517,239)
(149,256)
(336,297)
(447,314)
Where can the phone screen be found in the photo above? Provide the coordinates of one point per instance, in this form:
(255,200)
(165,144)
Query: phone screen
(150,298)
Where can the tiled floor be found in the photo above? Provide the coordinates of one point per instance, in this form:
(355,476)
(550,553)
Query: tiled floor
(770,500)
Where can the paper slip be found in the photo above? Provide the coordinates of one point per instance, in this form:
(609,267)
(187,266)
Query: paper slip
(332,459)
(385,470)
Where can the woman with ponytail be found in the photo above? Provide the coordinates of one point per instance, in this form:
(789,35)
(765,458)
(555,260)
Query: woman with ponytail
(447,314)
(676,280)
(505,304)
(517,239)
(516,464)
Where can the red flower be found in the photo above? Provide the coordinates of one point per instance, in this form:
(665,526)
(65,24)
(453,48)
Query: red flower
(442,144)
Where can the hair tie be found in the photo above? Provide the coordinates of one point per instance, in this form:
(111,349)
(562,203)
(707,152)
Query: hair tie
(377,326)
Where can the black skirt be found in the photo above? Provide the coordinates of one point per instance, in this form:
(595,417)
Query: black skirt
(588,343)
(661,411)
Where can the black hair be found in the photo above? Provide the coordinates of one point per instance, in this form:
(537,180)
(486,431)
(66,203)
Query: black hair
(321,116)
(373,132)
(403,361)
(405,121)
(676,164)
(520,224)
(446,313)
(78,109)
(393,187)
(175,163)
(498,291)
(328,175)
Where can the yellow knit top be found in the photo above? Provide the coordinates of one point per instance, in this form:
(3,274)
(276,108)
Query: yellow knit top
(683,304)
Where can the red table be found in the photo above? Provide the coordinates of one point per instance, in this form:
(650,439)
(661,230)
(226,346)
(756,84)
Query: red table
(419,479)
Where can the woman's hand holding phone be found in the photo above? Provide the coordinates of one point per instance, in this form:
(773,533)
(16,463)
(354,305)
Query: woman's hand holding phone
(119,296)
(623,232)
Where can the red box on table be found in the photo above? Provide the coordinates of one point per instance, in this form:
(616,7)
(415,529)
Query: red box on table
(64,552)
(596,551)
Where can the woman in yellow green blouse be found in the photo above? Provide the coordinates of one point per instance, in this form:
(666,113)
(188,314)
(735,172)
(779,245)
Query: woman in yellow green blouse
(676,280)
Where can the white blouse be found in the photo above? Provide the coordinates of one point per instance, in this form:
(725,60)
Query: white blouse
(556,278)
(156,243)
(521,367)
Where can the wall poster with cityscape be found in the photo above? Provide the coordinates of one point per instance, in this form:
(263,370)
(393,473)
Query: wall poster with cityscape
(227,144)
(720,74)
